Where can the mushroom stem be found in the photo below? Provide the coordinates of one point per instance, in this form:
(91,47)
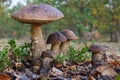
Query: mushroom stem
(55,49)
(64,46)
(98,60)
(38,44)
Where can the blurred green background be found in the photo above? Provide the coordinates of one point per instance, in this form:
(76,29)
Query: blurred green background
(81,16)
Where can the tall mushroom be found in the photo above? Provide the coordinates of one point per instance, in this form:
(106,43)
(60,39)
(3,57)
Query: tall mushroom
(37,15)
(70,36)
(55,39)
(98,56)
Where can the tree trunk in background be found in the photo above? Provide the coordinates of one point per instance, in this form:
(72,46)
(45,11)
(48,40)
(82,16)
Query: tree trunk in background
(111,33)
(115,36)
(118,31)
(80,34)
(118,35)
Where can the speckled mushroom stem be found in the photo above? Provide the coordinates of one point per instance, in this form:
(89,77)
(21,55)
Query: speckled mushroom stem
(38,43)
(98,60)
(55,49)
(64,46)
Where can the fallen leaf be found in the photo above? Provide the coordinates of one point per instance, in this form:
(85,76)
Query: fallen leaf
(91,78)
(106,70)
(4,77)
(56,71)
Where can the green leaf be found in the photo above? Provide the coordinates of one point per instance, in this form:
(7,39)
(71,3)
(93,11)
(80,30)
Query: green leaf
(117,77)
(12,43)
(77,55)
(84,50)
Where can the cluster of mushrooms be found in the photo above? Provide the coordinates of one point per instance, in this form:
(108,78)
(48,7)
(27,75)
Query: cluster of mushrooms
(60,41)
(37,15)
(40,14)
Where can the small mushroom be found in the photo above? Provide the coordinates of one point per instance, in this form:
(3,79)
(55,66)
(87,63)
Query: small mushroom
(47,59)
(55,39)
(37,15)
(98,57)
(70,36)
(47,53)
(35,64)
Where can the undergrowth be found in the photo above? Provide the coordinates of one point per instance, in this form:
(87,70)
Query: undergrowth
(16,53)
(13,53)
(77,55)
(73,55)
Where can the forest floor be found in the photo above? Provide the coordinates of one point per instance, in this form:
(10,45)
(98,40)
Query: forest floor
(70,71)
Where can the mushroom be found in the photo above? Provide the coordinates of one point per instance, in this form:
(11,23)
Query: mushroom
(47,53)
(47,59)
(37,15)
(70,36)
(36,64)
(55,39)
(98,57)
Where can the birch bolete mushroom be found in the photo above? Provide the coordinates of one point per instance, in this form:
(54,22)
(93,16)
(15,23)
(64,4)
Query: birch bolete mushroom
(47,59)
(47,53)
(55,39)
(64,46)
(98,57)
(37,15)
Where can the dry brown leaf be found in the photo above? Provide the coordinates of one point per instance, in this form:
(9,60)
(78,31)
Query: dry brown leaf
(4,77)
(95,73)
(106,70)
(118,57)
(8,70)
(72,67)
(58,65)
(18,64)
(101,68)
(56,71)
(115,63)
(109,72)
(91,78)
(75,78)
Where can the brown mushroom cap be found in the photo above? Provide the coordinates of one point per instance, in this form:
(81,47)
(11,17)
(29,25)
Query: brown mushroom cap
(47,53)
(37,13)
(95,49)
(69,34)
(55,37)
